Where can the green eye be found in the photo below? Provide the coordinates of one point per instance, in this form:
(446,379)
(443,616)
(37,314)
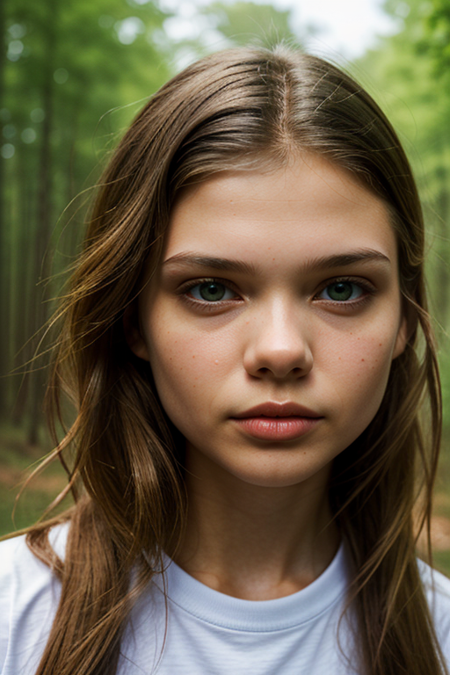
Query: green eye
(341,291)
(211,291)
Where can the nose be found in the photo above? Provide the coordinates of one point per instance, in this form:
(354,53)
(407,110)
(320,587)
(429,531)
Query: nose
(278,344)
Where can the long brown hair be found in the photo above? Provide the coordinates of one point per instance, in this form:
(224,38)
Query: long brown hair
(236,109)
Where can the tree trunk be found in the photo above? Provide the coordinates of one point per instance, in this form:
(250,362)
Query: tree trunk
(21,315)
(42,258)
(4,267)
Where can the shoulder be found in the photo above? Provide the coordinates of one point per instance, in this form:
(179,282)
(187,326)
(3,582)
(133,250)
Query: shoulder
(437,590)
(29,596)
(18,562)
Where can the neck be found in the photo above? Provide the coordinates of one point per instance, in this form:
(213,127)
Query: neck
(255,542)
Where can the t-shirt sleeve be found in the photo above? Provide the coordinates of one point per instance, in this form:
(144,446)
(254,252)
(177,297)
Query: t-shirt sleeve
(7,554)
(437,589)
(29,597)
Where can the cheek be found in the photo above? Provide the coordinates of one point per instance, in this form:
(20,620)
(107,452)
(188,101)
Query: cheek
(359,372)
(188,365)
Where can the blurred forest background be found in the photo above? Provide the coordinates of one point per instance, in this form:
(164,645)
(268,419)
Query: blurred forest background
(72,76)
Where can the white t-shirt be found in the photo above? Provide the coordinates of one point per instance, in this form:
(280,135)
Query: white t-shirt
(208,633)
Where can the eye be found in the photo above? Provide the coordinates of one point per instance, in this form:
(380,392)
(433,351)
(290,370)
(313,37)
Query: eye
(342,291)
(211,291)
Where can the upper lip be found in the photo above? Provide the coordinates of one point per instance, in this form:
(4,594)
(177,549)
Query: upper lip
(274,409)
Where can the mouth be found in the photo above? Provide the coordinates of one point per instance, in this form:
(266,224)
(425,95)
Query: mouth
(272,421)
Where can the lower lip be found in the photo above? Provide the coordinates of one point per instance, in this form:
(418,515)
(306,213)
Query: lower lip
(277,428)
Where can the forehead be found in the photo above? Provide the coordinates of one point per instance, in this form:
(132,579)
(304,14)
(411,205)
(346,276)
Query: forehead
(310,207)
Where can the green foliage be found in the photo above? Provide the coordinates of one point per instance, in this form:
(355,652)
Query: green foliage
(401,76)
(70,71)
(73,64)
(247,22)
(436,39)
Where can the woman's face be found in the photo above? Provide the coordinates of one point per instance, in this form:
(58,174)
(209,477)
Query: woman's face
(273,320)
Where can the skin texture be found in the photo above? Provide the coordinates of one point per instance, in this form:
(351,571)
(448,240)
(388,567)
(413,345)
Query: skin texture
(259,524)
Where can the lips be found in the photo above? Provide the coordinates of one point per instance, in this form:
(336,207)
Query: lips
(274,409)
(274,421)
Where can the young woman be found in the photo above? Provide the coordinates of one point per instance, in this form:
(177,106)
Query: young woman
(248,348)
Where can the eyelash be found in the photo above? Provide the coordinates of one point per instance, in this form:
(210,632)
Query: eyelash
(367,288)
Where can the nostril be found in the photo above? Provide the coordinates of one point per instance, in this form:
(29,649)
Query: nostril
(271,357)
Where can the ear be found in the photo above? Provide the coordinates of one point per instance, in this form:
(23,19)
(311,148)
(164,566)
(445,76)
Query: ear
(403,335)
(133,332)
(407,328)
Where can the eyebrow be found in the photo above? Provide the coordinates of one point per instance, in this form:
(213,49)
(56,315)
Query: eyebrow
(235,265)
(198,260)
(350,258)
